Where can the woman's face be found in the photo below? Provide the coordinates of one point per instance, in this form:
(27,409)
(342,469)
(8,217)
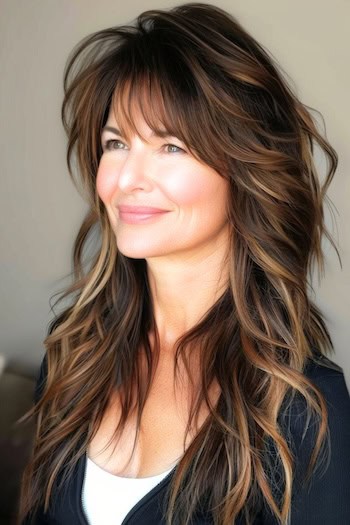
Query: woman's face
(161,174)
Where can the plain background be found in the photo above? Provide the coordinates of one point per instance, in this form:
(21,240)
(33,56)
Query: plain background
(40,208)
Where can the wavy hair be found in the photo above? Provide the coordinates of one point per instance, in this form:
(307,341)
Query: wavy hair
(197,72)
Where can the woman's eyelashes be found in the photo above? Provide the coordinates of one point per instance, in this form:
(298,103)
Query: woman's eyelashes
(108,145)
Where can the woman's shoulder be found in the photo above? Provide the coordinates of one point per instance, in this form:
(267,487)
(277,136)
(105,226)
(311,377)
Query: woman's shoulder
(320,364)
(330,379)
(325,497)
(301,433)
(323,372)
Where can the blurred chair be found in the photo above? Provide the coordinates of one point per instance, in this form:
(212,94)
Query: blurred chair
(16,397)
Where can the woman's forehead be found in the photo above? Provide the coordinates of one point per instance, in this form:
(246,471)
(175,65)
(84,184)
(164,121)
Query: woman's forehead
(141,117)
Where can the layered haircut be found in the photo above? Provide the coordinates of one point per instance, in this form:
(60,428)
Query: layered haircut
(195,71)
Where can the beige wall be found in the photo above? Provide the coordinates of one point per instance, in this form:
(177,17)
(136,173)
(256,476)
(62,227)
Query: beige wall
(40,208)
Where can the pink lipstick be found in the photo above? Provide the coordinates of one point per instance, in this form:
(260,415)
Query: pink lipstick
(139,214)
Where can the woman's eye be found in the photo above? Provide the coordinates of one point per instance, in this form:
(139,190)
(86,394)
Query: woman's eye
(173,146)
(107,145)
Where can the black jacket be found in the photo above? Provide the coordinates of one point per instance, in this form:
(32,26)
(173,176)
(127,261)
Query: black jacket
(325,502)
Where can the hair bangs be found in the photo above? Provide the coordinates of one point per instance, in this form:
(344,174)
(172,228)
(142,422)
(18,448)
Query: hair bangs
(160,97)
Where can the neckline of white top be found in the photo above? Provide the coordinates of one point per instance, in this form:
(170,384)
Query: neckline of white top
(99,469)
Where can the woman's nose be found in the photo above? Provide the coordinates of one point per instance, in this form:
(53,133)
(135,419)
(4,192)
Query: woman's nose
(135,171)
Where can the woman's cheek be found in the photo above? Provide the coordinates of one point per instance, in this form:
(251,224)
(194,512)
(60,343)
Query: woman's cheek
(188,186)
(105,181)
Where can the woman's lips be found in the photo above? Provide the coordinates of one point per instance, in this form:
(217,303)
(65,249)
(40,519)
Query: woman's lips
(124,208)
(140,218)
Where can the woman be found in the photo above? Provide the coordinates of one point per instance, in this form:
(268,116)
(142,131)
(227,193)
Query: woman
(188,381)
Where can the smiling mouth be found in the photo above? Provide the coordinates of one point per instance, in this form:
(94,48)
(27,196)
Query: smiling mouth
(139,218)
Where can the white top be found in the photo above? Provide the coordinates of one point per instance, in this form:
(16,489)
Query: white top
(107,499)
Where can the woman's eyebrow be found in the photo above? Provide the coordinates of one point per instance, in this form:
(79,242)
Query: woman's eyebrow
(161,134)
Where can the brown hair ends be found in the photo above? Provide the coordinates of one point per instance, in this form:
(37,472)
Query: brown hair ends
(196,71)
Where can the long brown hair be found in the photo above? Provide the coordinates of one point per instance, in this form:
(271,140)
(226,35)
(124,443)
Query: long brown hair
(194,70)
